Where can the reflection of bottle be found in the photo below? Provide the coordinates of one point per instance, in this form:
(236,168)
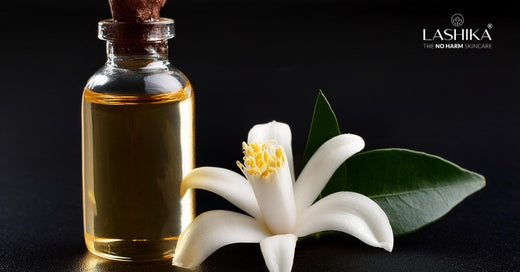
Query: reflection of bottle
(137,145)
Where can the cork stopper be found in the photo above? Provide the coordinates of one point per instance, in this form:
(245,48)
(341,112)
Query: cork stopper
(138,11)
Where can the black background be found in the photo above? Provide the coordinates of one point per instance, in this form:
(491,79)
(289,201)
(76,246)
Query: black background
(253,62)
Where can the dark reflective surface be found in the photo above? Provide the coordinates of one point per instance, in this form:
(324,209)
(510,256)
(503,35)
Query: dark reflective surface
(92,263)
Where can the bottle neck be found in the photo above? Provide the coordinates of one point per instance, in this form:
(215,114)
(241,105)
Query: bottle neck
(135,45)
(135,55)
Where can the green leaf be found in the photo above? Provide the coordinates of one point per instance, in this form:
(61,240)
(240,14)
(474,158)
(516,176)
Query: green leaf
(413,188)
(323,127)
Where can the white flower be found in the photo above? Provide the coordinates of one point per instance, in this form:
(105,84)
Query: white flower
(281,208)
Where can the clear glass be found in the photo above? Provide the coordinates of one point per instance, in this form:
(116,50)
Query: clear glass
(138,143)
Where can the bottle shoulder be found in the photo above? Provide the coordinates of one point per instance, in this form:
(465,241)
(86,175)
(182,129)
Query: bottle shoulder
(149,80)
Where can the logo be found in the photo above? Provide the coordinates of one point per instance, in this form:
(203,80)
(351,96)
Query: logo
(455,36)
(457,20)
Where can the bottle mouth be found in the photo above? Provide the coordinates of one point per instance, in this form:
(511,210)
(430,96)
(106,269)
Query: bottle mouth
(160,30)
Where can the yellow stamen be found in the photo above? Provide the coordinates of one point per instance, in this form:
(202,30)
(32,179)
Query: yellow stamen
(262,159)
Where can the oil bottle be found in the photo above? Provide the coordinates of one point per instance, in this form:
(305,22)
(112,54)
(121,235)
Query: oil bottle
(137,143)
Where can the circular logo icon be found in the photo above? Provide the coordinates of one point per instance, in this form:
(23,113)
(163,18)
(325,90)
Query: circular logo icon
(457,19)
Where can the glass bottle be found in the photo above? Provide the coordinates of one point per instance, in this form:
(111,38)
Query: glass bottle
(138,143)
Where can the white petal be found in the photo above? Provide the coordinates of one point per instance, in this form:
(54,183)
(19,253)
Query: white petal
(280,132)
(351,213)
(228,184)
(213,230)
(322,165)
(278,252)
(275,198)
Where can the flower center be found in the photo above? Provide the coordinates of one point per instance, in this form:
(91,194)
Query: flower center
(262,159)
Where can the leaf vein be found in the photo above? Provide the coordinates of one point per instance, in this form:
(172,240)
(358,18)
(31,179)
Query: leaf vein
(419,190)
